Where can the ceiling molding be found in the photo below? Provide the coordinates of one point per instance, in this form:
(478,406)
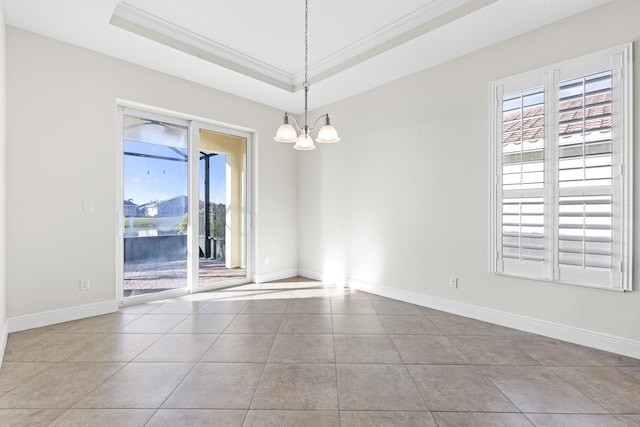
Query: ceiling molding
(152,27)
(407,44)
(385,38)
(430,16)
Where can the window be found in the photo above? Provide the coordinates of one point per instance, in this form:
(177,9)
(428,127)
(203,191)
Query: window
(562,161)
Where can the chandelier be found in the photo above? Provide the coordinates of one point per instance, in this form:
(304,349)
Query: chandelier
(286,132)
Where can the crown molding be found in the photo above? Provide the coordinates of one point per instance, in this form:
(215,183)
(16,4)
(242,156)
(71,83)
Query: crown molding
(433,15)
(147,25)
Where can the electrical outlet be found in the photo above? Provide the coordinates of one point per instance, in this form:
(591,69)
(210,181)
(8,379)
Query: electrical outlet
(266,259)
(453,282)
(85,284)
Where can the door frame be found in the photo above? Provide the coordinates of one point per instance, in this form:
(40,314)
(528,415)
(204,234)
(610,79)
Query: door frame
(194,125)
(194,181)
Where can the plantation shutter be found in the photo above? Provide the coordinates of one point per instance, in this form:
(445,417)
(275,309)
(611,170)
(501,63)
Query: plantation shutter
(586,200)
(562,159)
(521,149)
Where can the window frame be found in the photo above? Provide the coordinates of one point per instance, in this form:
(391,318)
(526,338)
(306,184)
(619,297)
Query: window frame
(619,60)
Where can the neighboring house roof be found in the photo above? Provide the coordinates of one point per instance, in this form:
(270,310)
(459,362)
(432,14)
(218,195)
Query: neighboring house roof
(528,124)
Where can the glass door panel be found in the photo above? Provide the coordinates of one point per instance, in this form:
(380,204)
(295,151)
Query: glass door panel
(155,206)
(222,209)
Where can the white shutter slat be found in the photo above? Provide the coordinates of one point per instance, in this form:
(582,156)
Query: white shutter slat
(523,229)
(585,231)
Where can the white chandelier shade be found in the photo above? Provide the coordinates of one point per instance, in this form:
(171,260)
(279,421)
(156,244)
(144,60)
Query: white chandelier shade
(287,133)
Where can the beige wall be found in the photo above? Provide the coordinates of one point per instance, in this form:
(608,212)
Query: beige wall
(61,150)
(234,148)
(403,200)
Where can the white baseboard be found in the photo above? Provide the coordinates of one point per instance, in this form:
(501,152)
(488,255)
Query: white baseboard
(611,343)
(588,338)
(3,341)
(310,274)
(46,318)
(277,275)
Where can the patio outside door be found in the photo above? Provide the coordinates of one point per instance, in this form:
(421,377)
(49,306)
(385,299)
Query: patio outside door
(222,207)
(184,206)
(155,205)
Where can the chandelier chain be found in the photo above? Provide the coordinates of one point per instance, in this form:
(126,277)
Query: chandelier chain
(306,64)
(306,43)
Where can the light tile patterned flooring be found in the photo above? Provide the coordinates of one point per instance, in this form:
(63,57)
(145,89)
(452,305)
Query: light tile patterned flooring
(296,353)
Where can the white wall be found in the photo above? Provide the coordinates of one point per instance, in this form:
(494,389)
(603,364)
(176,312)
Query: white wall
(61,103)
(402,201)
(3,143)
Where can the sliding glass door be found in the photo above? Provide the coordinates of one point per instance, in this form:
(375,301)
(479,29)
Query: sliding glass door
(183,206)
(155,205)
(222,208)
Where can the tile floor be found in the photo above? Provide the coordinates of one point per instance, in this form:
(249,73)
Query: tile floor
(295,353)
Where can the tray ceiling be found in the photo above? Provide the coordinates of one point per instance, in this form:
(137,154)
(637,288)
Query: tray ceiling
(255,49)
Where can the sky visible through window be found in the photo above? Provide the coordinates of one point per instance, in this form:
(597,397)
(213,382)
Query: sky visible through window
(149,179)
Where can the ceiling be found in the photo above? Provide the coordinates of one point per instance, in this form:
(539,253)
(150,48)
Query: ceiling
(255,49)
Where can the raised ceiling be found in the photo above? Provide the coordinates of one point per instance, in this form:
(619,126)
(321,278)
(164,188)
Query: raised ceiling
(255,49)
